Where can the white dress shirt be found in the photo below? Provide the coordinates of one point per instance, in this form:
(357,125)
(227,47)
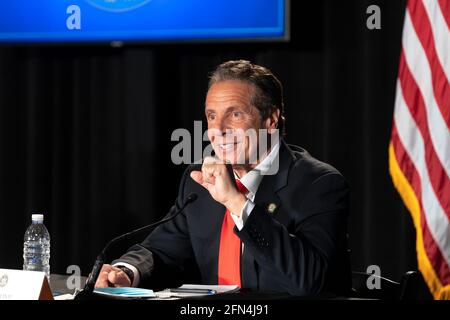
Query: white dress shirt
(251,180)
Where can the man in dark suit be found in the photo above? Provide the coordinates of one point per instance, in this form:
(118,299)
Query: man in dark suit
(281,226)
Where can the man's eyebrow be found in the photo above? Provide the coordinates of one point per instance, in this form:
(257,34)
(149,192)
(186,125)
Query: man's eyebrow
(240,108)
(235,107)
(228,109)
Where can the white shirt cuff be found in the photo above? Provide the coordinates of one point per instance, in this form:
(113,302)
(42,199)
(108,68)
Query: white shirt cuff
(245,213)
(136,276)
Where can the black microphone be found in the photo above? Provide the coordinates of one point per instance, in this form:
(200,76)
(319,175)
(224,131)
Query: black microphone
(101,258)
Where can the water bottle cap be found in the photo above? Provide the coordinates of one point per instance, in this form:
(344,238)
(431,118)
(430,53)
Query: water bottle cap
(37,217)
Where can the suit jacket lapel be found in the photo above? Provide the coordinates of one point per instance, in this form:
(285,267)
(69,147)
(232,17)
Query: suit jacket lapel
(270,185)
(267,197)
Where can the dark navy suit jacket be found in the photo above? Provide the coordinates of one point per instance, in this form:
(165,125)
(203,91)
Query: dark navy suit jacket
(300,248)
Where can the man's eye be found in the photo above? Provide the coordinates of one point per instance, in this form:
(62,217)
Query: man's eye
(237,114)
(210,117)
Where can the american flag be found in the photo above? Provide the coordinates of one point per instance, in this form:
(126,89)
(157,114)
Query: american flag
(419,151)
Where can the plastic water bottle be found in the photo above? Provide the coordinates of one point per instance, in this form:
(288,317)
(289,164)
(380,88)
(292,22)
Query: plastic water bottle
(36,246)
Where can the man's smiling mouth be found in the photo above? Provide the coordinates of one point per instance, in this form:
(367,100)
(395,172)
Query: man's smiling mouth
(227,146)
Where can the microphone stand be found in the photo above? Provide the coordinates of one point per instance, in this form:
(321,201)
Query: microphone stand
(89,287)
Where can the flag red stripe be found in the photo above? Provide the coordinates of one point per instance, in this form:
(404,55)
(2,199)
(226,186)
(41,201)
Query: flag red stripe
(416,105)
(441,87)
(445,9)
(408,168)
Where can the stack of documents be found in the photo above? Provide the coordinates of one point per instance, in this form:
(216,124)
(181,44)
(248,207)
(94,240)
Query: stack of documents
(195,290)
(125,292)
(185,291)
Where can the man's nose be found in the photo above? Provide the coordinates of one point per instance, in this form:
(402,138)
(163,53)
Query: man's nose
(220,127)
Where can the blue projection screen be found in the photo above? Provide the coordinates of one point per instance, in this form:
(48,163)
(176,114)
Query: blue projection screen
(41,21)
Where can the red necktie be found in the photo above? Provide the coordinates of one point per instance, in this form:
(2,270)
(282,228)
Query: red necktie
(230,249)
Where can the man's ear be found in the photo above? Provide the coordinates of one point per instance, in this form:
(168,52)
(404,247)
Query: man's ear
(272,120)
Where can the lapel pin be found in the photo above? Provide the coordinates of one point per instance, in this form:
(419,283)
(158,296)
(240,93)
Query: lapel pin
(271,208)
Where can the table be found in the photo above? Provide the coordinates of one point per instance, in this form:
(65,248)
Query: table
(58,284)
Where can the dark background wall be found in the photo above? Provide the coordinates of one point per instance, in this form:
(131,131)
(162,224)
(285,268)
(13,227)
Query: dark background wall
(85,130)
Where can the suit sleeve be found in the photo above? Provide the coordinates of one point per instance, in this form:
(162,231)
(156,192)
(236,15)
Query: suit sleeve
(305,257)
(165,256)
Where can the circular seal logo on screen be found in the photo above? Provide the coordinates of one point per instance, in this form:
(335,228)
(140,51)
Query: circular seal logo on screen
(117,5)
(3,280)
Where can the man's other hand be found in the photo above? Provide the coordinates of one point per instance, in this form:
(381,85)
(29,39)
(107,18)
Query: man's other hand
(112,277)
